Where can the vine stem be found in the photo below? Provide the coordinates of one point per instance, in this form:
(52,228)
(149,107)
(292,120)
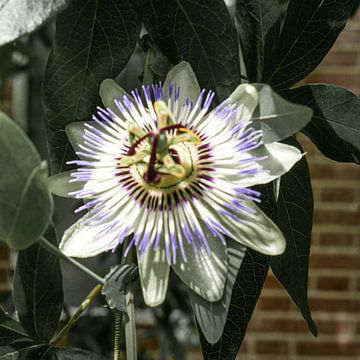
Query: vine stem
(130,327)
(80,310)
(54,250)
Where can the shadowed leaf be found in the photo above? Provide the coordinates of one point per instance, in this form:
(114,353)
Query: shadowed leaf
(37,293)
(93,40)
(335,126)
(309,31)
(294,217)
(201,33)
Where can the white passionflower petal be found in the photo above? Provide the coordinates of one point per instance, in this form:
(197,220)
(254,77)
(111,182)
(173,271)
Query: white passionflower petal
(276,160)
(84,239)
(176,175)
(204,274)
(154,274)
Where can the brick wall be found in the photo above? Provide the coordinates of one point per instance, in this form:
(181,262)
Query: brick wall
(277,331)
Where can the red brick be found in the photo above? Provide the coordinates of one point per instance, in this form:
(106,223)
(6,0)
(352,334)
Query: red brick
(274,303)
(271,347)
(334,327)
(334,261)
(4,253)
(328,348)
(349,81)
(341,58)
(272,283)
(333,283)
(282,325)
(340,217)
(337,239)
(4,276)
(349,37)
(322,171)
(336,194)
(344,305)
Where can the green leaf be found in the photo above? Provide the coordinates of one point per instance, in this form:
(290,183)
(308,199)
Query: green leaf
(259,32)
(277,117)
(211,316)
(309,31)
(60,184)
(25,202)
(246,291)
(75,354)
(93,40)
(10,330)
(37,293)
(201,33)
(115,283)
(335,126)
(294,217)
(19,18)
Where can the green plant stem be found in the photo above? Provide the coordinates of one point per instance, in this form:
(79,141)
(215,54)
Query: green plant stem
(53,249)
(130,328)
(80,310)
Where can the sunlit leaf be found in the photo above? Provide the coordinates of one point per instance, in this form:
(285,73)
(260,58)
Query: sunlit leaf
(25,202)
(20,17)
(335,126)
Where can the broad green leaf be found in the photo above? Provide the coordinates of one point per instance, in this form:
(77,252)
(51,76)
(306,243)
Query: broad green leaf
(246,291)
(259,31)
(201,33)
(93,40)
(115,284)
(23,350)
(211,316)
(60,184)
(294,217)
(37,289)
(335,126)
(10,330)
(309,31)
(25,202)
(75,354)
(277,117)
(20,17)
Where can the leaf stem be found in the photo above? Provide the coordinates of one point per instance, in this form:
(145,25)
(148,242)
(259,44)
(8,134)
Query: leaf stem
(80,310)
(54,250)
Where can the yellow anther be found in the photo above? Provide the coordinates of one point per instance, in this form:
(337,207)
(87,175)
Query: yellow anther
(135,130)
(163,113)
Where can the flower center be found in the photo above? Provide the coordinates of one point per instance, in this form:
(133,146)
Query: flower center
(162,159)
